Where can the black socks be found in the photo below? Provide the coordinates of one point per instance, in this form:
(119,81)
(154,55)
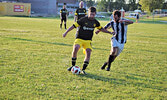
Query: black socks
(85,65)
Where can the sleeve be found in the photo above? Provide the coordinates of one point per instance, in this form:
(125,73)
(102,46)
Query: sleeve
(108,25)
(76,12)
(98,25)
(78,23)
(60,11)
(85,12)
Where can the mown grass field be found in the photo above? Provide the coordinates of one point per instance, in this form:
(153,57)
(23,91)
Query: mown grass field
(34,58)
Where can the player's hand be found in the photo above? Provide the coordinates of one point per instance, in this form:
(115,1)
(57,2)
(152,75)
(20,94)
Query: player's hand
(121,21)
(97,31)
(113,33)
(64,35)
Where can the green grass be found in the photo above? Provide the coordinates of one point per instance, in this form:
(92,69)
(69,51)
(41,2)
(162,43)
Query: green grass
(34,57)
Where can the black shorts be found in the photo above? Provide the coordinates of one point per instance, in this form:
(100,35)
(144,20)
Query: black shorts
(64,19)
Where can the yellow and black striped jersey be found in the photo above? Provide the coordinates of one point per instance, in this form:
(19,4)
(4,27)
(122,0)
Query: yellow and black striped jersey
(80,12)
(86,28)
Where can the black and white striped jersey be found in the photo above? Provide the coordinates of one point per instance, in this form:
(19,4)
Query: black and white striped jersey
(120,30)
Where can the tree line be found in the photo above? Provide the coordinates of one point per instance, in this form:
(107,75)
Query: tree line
(128,5)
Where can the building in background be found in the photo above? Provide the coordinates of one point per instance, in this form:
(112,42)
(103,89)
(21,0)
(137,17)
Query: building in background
(15,8)
(49,7)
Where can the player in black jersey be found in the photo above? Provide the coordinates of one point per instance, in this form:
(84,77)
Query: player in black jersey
(84,37)
(63,16)
(79,13)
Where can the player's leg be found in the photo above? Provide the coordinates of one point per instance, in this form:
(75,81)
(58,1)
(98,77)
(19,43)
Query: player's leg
(113,55)
(74,55)
(76,47)
(111,58)
(61,23)
(87,58)
(88,48)
(65,20)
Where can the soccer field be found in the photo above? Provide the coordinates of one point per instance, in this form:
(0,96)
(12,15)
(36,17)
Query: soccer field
(34,58)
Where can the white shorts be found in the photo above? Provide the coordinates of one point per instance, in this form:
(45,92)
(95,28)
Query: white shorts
(115,43)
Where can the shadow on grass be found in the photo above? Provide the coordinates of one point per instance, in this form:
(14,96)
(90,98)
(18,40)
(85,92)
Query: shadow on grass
(55,43)
(144,83)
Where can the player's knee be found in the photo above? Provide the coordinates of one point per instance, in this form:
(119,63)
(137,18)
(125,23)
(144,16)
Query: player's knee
(76,48)
(114,52)
(88,52)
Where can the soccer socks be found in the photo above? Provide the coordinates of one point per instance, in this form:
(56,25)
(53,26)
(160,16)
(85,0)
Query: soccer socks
(74,61)
(104,65)
(85,65)
(110,60)
(60,25)
(65,26)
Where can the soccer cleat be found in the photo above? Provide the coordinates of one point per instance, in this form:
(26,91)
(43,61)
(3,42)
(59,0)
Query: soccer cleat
(83,72)
(103,67)
(108,69)
(69,69)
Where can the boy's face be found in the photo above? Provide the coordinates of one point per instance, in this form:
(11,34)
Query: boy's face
(116,18)
(91,15)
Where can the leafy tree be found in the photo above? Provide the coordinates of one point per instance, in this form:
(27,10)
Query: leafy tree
(118,4)
(150,5)
(164,5)
(132,5)
(102,6)
(90,3)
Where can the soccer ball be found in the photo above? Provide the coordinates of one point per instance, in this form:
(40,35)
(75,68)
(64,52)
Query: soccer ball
(75,70)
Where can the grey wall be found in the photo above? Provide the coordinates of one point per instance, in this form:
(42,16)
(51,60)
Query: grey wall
(50,7)
(43,7)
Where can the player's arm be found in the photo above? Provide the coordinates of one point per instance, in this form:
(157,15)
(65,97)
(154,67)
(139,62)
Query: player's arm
(68,30)
(66,14)
(60,14)
(105,27)
(127,22)
(71,28)
(106,31)
(75,16)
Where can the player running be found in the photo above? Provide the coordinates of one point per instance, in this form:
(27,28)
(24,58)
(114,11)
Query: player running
(119,26)
(84,37)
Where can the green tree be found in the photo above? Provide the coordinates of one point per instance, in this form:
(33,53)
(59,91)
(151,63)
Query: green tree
(118,4)
(102,5)
(132,5)
(150,5)
(90,3)
(164,5)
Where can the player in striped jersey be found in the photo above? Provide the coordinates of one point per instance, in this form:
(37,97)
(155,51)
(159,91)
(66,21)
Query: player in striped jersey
(119,26)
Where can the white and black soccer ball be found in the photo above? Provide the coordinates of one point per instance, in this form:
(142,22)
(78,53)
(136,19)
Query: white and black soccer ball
(75,70)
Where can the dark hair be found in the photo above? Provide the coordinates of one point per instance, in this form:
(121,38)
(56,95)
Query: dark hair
(92,9)
(117,12)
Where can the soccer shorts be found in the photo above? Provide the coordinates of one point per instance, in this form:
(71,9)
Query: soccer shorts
(84,43)
(64,19)
(115,43)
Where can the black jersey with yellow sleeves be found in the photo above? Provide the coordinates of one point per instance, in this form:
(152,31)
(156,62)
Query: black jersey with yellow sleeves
(86,28)
(80,12)
(63,13)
